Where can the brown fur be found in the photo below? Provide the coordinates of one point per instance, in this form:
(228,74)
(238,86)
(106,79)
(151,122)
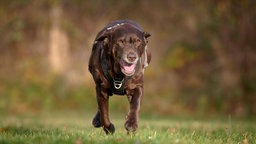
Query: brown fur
(121,41)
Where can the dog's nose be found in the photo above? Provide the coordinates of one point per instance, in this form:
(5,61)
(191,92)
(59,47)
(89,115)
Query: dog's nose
(131,57)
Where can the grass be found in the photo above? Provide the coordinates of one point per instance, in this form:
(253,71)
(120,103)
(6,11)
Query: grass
(78,130)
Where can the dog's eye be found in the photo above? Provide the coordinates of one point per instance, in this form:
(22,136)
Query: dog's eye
(138,40)
(120,41)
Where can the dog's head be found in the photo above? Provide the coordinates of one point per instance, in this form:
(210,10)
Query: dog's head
(125,43)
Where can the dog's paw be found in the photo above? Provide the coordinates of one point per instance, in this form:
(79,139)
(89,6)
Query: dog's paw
(131,126)
(96,121)
(110,129)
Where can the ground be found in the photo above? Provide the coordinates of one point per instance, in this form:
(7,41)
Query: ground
(68,128)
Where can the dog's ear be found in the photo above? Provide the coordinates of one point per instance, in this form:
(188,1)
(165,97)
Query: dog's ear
(146,34)
(103,36)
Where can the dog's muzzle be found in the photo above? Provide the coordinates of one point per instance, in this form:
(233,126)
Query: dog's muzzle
(128,63)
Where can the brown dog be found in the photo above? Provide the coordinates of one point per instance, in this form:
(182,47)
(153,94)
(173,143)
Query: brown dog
(119,56)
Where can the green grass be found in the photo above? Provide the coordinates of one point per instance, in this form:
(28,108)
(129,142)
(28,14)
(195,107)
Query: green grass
(78,130)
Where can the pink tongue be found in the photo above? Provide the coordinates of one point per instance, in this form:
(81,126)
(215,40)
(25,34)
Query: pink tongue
(129,68)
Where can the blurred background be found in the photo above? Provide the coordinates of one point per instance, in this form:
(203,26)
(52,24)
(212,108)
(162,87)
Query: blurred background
(203,55)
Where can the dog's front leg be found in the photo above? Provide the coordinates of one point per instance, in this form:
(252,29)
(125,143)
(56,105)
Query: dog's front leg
(102,99)
(134,97)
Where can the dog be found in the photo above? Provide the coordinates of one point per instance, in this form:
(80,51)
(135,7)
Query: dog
(117,62)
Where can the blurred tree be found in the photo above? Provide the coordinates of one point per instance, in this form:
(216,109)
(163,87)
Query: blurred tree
(236,26)
(59,43)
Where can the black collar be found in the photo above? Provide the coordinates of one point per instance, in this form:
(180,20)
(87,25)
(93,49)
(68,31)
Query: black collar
(117,82)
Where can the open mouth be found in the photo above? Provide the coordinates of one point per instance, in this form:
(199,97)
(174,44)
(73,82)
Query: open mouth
(127,68)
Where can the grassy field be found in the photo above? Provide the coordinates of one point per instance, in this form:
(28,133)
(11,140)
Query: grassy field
(78,130)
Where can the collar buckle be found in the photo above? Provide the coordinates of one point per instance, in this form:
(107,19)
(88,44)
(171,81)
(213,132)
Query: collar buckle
(118,84)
